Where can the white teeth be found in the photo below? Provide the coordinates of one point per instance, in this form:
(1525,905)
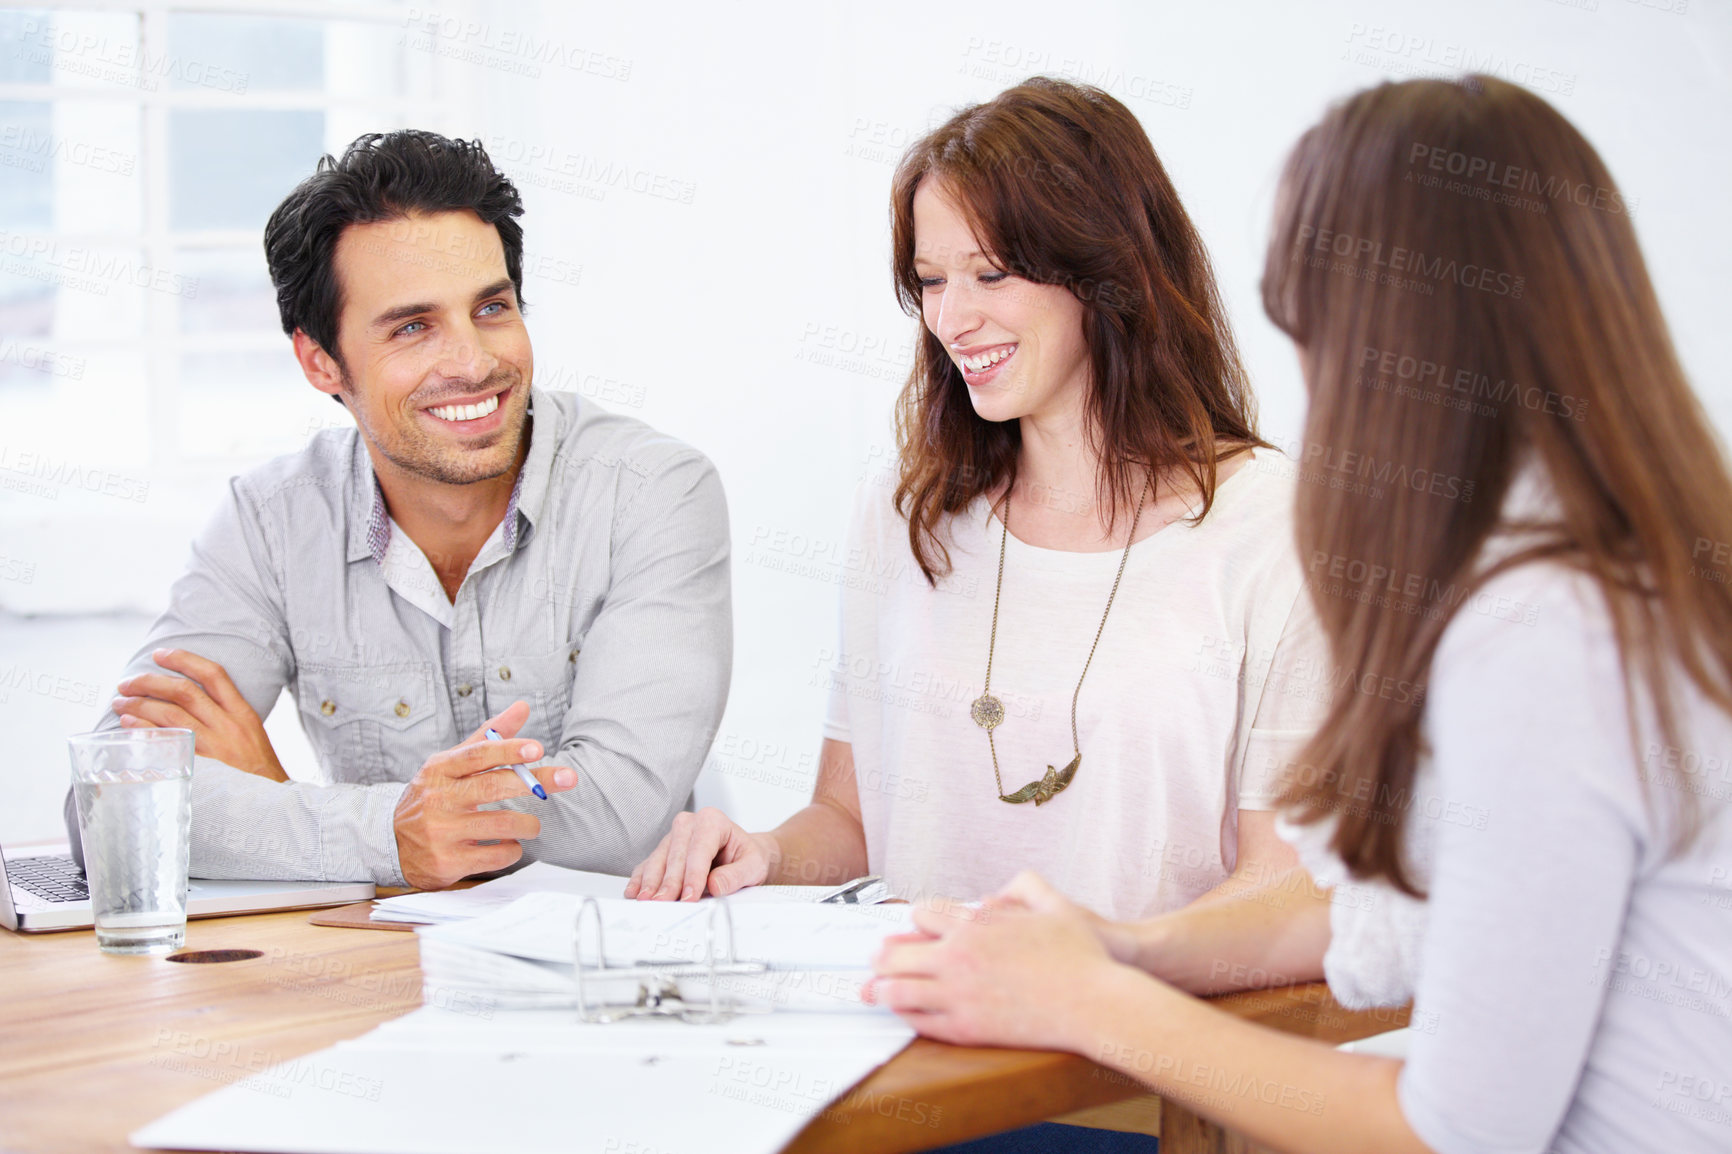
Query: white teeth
(984,361)
(466,412)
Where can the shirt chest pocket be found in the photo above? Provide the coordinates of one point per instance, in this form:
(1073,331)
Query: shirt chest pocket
(373,724)
(544,680)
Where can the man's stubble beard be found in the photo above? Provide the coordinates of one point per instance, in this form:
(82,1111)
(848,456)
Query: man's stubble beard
(415,451)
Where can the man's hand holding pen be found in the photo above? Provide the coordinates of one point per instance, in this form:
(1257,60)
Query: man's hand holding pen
(442,833)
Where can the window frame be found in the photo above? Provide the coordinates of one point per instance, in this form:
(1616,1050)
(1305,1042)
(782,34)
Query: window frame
(424,97)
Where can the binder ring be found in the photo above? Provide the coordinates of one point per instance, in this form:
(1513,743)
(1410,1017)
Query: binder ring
(658,989)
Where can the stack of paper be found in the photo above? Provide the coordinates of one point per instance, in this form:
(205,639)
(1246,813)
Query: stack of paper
(539,877)
(816,957)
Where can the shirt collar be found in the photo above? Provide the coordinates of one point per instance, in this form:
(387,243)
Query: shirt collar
(529,497)
(370,524)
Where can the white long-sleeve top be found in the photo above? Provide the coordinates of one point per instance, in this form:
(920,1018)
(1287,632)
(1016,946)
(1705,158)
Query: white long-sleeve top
(1571,979)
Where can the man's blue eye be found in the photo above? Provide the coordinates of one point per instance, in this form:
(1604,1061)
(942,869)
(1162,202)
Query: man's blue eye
(493,306)
(406,330)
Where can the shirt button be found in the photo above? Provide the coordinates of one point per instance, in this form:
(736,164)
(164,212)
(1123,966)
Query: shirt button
(465,690)
(573,657)
(505,673)
(327,707)
(402,709)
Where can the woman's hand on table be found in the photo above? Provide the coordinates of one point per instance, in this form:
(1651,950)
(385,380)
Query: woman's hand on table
(704,853)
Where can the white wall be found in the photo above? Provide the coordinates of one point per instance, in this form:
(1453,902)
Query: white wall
(757,320)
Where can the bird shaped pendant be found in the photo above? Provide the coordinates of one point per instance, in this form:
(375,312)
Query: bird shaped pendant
(1042,791)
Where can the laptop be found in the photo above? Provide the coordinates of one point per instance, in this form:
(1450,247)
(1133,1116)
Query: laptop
(43,889)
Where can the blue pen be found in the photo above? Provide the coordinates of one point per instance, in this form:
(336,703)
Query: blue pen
(523,774)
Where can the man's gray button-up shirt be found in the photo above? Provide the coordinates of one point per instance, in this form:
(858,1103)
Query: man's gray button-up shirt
(602,600)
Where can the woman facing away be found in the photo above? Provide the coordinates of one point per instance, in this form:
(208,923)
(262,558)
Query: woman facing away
(1538,851)
(1077,662)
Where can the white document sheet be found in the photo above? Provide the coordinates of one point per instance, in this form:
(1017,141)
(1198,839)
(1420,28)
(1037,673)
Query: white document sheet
(528,1082)
(780,894)
(455,905)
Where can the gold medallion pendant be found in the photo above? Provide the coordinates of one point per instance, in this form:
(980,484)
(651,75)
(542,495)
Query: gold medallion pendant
(988,711)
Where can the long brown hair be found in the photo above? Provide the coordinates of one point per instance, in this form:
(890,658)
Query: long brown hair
(1463,281)
(1061,186)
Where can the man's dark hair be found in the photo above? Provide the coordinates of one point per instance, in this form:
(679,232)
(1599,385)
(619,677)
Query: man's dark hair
(382,176)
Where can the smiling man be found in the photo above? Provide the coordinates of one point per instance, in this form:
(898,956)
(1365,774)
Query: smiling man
(475,554)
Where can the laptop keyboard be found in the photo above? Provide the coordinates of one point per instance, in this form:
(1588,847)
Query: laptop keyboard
(54,878)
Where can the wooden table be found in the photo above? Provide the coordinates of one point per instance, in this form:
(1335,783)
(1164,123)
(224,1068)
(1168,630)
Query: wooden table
(93,1046)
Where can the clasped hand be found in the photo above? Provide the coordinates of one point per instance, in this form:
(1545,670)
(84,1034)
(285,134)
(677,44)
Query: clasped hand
(1011,971)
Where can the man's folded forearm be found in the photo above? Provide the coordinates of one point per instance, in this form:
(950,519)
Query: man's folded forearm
(244,826)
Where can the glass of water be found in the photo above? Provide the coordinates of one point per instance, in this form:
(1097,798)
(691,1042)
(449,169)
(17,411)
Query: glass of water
(134,794)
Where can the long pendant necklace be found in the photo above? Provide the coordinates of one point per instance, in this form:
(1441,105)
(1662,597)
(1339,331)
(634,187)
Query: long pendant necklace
(988,711)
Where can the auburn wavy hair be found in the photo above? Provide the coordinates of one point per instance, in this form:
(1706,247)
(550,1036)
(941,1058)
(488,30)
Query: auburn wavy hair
(1062,187)
(1447,241)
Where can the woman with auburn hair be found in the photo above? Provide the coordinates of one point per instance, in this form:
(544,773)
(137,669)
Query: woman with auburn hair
(1068,641)
(1538,849)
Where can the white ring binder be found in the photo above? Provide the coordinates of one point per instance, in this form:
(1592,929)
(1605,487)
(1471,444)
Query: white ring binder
(658,990)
